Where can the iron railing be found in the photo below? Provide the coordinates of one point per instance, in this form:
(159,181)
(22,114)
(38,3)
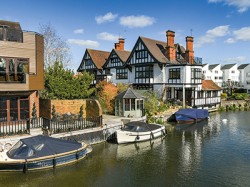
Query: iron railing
(55,126)
(52,126)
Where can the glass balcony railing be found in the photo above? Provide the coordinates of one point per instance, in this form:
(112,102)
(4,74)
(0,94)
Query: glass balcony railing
(198,60)
(12,77)
(11,35)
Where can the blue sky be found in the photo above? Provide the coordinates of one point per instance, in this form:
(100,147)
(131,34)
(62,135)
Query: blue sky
(221,28)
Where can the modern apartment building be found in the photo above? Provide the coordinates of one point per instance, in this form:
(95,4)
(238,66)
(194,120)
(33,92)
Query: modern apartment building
(21,71)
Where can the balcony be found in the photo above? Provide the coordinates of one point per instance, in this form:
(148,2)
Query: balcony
(12,77)
(11,35)
(198,60)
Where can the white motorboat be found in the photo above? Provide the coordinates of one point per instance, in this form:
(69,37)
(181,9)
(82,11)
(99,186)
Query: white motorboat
(137,131)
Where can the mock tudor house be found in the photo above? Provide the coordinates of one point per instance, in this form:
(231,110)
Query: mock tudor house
(165,67)
(92,62)
(21,71)
(114,68)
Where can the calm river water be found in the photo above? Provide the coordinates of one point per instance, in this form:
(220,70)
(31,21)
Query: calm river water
(214,153)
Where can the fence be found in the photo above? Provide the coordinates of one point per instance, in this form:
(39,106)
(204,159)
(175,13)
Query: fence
(53,126)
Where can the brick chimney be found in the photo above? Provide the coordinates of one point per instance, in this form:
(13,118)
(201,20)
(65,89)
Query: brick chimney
(170,48)
(120,45)
(189,53)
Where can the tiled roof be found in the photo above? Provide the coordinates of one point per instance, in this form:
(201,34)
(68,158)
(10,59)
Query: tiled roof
(209,85)
(227,66)
(156,48)
(99,57)
(123,55)
(12,25)
(212,66)
(129,94)
(242,66)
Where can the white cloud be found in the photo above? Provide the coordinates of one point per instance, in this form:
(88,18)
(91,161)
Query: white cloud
(241,5)
(238,59)
(107,36)
(136,21)
(109,17)
(212,34)
(86,43)
(79,31)
(242,34)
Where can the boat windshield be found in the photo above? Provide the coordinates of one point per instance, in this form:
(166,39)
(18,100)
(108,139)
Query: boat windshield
(134,128)
(20,150)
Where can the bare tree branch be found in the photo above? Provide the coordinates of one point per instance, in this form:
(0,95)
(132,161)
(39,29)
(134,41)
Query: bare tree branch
(55,48)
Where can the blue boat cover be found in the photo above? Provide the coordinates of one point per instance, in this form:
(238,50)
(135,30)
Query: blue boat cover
(191,114)
(39,146)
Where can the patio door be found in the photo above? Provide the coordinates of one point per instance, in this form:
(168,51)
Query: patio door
(14,108)
(3,109)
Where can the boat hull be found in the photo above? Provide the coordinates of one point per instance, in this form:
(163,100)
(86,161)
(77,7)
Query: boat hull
(44,162)
(129,137)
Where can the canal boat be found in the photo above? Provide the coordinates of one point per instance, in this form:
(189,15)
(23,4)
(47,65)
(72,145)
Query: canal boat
(189,115)
(137,131)
(42,152)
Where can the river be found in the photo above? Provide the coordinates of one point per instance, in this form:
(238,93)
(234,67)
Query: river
(213,153)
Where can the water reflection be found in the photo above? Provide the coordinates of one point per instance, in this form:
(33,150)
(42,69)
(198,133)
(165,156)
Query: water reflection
(212,153)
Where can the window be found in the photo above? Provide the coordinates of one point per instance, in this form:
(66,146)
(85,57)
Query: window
(121,73)
(140,54)
(132,104)
(144,72)
(200,94)
(13,69)
(215,93)
(195,73)
(232,71)
(127,104)
(174,73)
(209,94)
(216,71)
(248,74)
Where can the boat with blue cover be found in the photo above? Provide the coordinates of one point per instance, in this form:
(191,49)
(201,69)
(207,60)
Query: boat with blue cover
(42,152)
(189,115)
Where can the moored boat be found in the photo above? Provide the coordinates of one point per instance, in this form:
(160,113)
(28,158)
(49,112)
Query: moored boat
(137,131)
(189,115)
(42,152)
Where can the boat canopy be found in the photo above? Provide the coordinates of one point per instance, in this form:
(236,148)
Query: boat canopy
(191,113)
(39,146)
(138,126)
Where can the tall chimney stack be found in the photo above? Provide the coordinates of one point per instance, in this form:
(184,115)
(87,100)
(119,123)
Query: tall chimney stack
(189,53)
(170,48)
(120,45)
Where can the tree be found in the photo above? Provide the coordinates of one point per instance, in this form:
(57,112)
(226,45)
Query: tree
(61,83)
(150,104)
(55,48)
(122,87)
(106,92)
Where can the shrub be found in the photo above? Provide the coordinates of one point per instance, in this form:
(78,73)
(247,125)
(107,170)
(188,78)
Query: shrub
(223,95)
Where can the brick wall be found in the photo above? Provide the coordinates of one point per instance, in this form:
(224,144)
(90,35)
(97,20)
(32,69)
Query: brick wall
(91,107)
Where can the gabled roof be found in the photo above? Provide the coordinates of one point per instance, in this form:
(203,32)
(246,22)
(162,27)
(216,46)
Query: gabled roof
(212,66)
(123,55)
(12,25)
(227,66)
(204,65)
(98,57)
(209,85)
(156,48)
(129,94)
(242,66)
